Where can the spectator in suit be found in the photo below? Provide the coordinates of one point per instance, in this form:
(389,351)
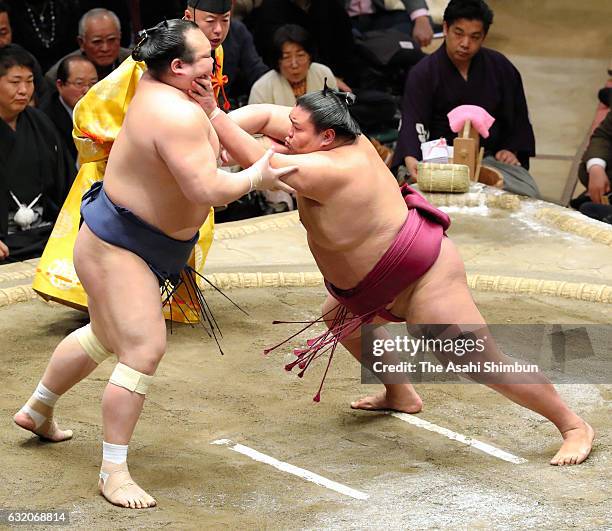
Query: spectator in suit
(100,41)
(75,76)
(595,170)
(408,16)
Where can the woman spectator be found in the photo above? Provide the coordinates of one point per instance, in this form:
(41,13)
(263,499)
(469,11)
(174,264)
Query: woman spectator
(294,72)
(293,76)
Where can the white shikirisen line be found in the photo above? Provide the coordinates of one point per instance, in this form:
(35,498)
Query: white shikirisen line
(291,469)
(479,445)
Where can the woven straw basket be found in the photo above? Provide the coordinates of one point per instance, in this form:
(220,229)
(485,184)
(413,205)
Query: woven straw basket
(433,177)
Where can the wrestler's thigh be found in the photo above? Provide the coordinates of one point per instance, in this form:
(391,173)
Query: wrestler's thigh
(123,297)
(441,296)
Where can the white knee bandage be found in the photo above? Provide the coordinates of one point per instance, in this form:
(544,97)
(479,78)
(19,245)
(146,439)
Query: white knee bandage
(130,379)
(91,344)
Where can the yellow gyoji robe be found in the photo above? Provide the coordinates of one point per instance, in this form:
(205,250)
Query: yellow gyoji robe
(98,116)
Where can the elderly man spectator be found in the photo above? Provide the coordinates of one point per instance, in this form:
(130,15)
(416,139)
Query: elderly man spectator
(100,41)
(42,89)
(36,170)
(75,76)
(122,9)
(463,72)
(408,16)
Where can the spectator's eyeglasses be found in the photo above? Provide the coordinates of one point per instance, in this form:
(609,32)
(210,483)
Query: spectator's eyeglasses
(300,58)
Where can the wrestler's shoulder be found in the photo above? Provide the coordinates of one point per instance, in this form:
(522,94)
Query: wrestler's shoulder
(180,110)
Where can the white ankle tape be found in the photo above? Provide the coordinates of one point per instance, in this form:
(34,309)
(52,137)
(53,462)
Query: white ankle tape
(91,344)
(38,418)
(130,379)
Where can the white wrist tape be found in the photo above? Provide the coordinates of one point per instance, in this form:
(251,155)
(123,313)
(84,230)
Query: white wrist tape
(214,114)
(255,178)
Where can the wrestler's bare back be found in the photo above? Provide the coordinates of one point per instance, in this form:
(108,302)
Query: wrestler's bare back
(138,178)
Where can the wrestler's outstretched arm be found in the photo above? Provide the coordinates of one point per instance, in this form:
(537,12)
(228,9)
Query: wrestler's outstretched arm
(318,174)
(185,147)
(264,118)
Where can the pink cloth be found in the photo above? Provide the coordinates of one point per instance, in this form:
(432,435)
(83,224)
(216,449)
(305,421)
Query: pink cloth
(360,7)
(414,250)
(411,254)
(481,119)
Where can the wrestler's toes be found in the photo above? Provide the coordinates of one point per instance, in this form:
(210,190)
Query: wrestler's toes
(148,502)
(361,404)
(56,434)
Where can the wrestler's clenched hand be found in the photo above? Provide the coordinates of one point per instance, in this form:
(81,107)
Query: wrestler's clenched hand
(268,178)
(202,92)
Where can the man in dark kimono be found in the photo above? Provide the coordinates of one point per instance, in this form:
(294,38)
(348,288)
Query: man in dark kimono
(36,170)
(462,72)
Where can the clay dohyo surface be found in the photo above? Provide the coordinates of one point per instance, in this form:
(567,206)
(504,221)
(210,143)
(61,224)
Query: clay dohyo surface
(414,478)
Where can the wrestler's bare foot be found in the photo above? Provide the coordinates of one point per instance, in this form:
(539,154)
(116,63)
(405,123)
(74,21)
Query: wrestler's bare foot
(48,430)
(119,488)
(576,447)
(403,399)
